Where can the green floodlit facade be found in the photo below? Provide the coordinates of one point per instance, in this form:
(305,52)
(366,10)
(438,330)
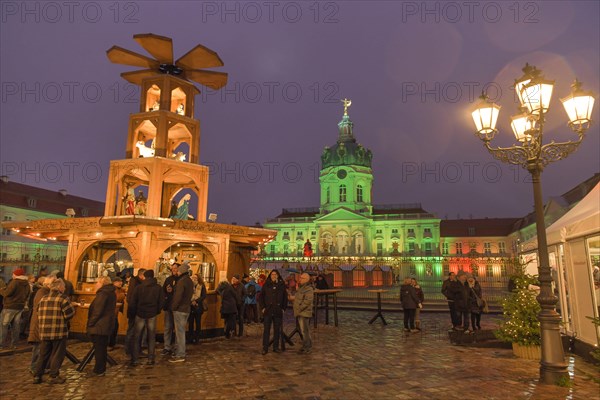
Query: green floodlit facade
(367,245)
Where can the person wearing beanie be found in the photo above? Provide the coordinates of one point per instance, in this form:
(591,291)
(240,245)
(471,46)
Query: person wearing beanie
(181,307)
(15,296)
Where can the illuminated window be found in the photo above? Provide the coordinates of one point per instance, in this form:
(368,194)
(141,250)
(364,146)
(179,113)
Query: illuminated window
(342,193)
(459,248)
(487,248)
(411,248)
(337,278)
(359,193)
(445,248)
(428,251)
(358,278)
(377,278)
(501,248)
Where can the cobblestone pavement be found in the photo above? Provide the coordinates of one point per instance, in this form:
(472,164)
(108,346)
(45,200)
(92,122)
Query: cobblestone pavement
(353,361)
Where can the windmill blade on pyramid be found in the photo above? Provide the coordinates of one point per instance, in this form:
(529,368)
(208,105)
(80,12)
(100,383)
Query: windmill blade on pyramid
(212,79)
(199,57)
(136,77)
(161,47)
(119,55)
(187,67)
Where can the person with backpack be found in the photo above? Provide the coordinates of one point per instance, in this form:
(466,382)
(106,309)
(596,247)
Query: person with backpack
(252,289)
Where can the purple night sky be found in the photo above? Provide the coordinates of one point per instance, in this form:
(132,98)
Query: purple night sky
(411,79)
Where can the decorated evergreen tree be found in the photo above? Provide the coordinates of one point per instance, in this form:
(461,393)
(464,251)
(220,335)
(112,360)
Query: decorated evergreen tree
(520,309)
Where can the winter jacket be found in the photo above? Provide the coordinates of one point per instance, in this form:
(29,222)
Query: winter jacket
(228,298)
(420,294)
(473,291)
(461,294)
(16,293)
(408,297)
(101,316)
(240,294)
(182,295)
(273,297)
(252,299)
(54,311)
(171,281)
(34,329)
(134,281)
(303,300)
(147,300)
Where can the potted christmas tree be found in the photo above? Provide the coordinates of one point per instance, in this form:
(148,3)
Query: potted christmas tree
(521,325)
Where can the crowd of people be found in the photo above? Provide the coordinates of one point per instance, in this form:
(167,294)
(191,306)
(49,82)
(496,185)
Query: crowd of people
(465,301)
(41,308)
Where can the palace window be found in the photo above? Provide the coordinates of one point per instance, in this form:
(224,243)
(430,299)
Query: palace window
(379,249)
(428,249)
(413,270)
(445,248)
(359,193)
(337,278)
(358,278)
(378,231)
(272,249)
(411,233)
(411,248)
(489,271)
(487,248)
(473,248)
(377,278)
(471,231)
(394,231)
(459,248)
(285,249)
(501,248)
(286,236)
(427,233)
(342,193)
(6,232)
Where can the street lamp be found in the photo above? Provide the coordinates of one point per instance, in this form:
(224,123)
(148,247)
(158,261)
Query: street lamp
(534,93)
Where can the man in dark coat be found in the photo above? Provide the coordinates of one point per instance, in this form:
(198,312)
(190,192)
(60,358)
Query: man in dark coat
(229,307)
(410,303)
(273,302)
(133,282)
(240,299)
(168,290)
(181,307)
(147,302)
(101,321)
(451,281)
(460,292)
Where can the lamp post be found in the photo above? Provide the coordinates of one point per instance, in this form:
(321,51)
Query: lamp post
(534,93)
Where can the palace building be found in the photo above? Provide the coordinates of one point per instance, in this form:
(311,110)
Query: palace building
(362,244)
